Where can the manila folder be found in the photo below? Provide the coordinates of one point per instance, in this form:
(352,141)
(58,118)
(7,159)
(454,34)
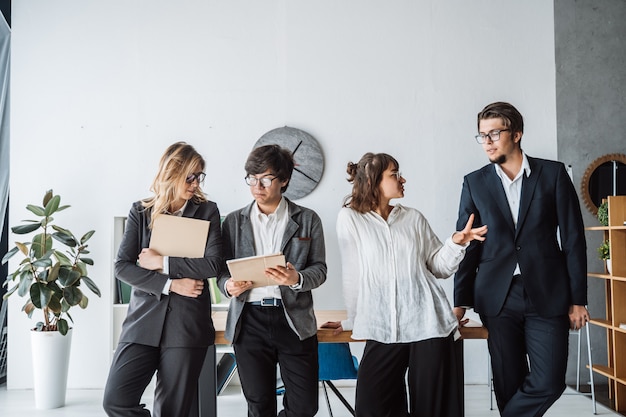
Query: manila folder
(181,237)
(253,268)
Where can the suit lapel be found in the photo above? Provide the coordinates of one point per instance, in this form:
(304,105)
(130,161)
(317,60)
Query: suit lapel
(246,233)
(494,185)
(190,209)
(292,227)
(528,189)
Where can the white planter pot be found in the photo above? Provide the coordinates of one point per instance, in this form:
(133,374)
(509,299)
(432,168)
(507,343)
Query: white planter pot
(51,358)
(608,266)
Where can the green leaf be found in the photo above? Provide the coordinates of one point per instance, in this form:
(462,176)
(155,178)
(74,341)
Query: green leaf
(72,295)
(55,304)
(47,197)
(40,295)
(42,263)
(91,285)
(26,279)
(42,243)
(87,236)
(82,268)
(25,228)
(63,326)
(61,229)
(84,302)
(63,207)
(64,260)
(36,210)
(88,261)
(9,254)
(54,272)
(52,205)
(9,292)
(65,239)
(23,247)
(68,277)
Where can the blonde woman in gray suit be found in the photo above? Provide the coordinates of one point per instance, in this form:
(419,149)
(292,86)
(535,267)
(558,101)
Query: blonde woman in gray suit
(168,327)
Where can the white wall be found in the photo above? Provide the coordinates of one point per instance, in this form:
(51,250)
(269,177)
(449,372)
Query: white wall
(101,88)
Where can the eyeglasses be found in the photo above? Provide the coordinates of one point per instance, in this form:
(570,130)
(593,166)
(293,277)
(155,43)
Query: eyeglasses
(494,135)
(265,181)
(195,176)
(398,174)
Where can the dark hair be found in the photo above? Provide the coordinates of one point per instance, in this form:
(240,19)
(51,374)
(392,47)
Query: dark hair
(365,177)
(278,160)
(509,115)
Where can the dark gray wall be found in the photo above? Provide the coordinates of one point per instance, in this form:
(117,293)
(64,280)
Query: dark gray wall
(590,41)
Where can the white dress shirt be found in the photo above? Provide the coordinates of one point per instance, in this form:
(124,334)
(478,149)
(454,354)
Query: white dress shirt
(268,231)
(390,271)
(513,191)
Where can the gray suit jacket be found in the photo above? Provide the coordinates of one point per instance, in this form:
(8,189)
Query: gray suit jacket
(155,319)
(302,245)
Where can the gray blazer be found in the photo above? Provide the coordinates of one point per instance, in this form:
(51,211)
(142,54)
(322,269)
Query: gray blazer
(155,319)
(302,245)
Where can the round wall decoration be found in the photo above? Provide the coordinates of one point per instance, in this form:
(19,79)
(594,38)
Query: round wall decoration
(307,154)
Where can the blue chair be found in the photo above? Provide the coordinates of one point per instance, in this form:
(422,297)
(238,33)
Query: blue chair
(336,362)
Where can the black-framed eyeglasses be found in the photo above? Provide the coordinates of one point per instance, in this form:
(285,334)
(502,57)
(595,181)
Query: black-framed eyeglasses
(494,135)
(200,176)
(265,181)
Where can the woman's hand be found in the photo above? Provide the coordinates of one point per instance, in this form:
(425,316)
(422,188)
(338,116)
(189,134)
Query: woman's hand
(187,287)
(333,325)
(150,259)
(236,288)
(468,234)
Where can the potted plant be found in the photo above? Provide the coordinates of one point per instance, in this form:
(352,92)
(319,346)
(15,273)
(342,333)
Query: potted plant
(603,213)
(51,277)
(604,253)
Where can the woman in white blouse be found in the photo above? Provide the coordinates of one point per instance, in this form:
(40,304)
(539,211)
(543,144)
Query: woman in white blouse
(391,260)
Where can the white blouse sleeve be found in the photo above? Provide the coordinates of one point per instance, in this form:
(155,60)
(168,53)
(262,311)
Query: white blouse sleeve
(349,267)
(441,260)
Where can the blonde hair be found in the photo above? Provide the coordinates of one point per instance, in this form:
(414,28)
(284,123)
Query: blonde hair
(365,177)
(177,163)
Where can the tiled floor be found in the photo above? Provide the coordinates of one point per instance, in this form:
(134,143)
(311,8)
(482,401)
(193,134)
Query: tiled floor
(86,403)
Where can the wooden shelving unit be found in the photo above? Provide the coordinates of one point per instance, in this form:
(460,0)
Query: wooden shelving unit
(615,292)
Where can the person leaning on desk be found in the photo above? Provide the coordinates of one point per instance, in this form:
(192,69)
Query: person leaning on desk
(168,327)
(391,260)
(275,324)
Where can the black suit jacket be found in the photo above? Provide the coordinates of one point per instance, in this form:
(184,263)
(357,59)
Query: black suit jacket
(555,275)
(155,319)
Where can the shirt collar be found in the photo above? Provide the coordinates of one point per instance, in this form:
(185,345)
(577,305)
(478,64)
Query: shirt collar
(524,170)
(280,211)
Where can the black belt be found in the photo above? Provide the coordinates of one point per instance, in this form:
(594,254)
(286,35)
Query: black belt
(268,302)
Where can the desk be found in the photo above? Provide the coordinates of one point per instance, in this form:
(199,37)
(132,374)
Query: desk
(206,397)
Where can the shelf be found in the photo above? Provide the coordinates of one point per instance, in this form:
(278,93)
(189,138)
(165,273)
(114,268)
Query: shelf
(604,370)
(602,323)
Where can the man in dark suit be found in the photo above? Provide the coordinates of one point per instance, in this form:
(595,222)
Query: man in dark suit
(528,279)
(275,324)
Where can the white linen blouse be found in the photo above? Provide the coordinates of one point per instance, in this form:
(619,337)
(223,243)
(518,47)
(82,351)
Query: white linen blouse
(390,270)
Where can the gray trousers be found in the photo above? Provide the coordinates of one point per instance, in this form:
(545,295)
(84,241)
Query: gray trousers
(132,370)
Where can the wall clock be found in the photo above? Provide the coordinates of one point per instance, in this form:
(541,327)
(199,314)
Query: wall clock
(307,154)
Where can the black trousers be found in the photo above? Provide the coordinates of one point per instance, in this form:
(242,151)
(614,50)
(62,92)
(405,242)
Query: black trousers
(132,369)
(265,340)
(435,378)
(519,337)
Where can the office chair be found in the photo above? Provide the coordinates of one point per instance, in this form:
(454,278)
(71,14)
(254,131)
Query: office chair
(336,362)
